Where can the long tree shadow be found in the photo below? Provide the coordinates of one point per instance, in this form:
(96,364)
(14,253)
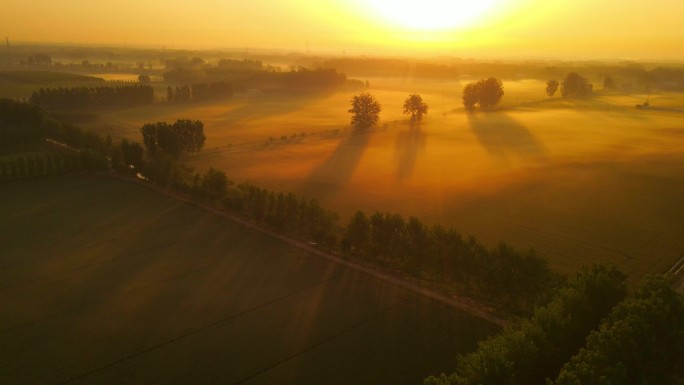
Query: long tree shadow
(262,106)
(406,149)
(502,136)
(338,168)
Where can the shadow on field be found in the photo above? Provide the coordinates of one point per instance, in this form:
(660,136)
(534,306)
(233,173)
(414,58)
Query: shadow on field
(336,171)
(259,107)
(500,136)
(406,149)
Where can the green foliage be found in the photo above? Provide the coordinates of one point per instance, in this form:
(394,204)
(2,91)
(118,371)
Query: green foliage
(575,86)
(415,106)
(486,93)
(534,349)
(641,342)
(365,111)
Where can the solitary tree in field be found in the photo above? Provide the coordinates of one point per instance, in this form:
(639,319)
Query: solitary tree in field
(365,111)
(575,85)
(415,106)
(551,87)
(486,93)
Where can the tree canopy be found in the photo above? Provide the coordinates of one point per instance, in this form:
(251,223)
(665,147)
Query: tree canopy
(575,86)
(415,106)
(184,135)
(486,93)
(365,111)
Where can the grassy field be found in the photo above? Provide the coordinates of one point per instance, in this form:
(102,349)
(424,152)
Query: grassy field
(580,182)
(105,281)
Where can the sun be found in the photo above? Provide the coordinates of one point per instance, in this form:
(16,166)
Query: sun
(432,15)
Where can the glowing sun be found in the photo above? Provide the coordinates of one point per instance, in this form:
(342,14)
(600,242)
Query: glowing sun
(432,14)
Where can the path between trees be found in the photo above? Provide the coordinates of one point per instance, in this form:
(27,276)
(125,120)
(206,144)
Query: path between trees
(472,308)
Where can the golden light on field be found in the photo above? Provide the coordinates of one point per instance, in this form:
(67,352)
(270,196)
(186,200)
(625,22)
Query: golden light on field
(432,14)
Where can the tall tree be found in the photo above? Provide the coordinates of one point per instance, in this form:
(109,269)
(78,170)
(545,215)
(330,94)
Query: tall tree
(365,111)
(415,106)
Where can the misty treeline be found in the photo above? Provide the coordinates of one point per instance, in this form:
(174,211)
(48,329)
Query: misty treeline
(591,333)
(88,97)
(50,146)
(267,79)
(199,92)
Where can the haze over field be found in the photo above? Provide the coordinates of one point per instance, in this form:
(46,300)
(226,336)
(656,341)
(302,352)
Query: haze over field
(493,28)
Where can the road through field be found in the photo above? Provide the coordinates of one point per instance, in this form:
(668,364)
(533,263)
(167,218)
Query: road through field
(105,281)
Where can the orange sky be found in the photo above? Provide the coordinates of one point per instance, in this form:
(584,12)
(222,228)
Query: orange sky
(509,28)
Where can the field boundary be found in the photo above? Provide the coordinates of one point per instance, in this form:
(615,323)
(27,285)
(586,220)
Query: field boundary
(468,306)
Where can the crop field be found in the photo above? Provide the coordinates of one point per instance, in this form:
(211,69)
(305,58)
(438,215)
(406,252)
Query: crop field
(106,281)
(579,181)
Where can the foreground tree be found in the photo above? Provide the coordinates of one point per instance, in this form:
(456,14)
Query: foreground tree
(640,342)
(575,86)
(533,349)
(415,106)
(486,93)
(365,111)
(551,87)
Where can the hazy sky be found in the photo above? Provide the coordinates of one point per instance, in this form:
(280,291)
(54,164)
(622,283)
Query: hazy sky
(539,28)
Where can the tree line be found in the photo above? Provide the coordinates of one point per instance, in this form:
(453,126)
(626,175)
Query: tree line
(199,92)
(590,333)
(85,97)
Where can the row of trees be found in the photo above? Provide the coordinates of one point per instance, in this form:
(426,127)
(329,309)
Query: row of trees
(533,349)
(85,97)
(638,340)
(198,92)
(32,165)
(173,139)
(509,279)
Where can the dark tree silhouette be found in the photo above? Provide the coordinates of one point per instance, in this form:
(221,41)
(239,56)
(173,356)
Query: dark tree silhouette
(415,106)
(608,83)
(551,87)
(470,96)
(486,93)
(575,86)
(365,111)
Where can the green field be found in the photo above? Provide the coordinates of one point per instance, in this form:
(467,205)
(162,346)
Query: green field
(106,281)
(580,181)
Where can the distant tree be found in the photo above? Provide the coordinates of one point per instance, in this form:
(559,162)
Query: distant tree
(491,91)
(415,106)
(470,96)
(486,93)
(608,83)
(365,111)
(551,87)
(575,86)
